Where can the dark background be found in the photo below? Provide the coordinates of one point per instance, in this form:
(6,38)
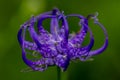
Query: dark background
(106,66)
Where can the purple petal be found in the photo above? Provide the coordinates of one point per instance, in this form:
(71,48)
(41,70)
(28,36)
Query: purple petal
(100,50)
(40,20)
(65,28)
(54,24)
(83,52)
(33,34)
(19,36)
(21,41)
(78,38)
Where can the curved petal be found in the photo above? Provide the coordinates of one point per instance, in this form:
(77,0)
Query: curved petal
(40,20)
(21,34)
(85,28)
(64,32)
(82,52)
(86,49)
(98,51)
(35,65)
(79,37)
(43,47)
(33,34)
(65,27)
(54,24)
(85,24)
(28,62)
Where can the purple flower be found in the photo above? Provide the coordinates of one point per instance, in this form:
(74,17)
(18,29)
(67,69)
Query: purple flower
(57,47)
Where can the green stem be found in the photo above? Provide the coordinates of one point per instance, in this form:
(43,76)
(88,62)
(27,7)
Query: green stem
(58,73)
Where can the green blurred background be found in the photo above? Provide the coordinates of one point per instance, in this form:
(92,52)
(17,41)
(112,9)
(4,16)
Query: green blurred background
(106,66)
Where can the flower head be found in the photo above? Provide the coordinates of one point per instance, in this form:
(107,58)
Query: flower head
(57,47)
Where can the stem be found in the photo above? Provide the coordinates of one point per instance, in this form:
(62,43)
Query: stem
(58,73)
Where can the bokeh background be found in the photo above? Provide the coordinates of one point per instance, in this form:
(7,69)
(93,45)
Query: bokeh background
(106,66)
